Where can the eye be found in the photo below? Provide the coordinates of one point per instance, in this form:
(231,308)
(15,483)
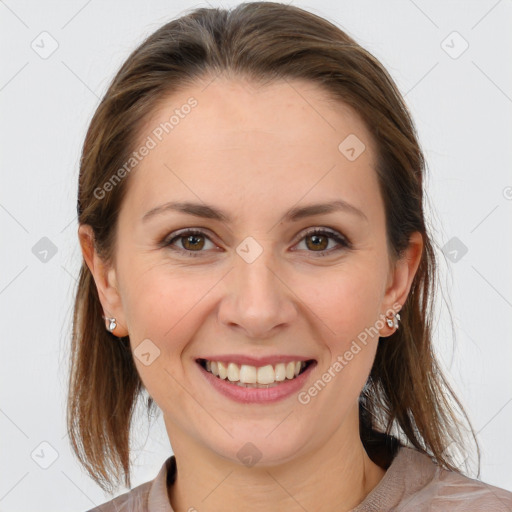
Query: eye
(317,241)
(191,241)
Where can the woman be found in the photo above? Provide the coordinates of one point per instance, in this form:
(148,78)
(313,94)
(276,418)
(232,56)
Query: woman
(256,259)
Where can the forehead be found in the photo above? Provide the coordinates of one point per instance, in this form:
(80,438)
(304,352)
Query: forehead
(226,137)
(237,106)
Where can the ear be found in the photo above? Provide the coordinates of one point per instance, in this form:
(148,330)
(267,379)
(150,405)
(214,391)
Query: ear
(401,276)
(105,279)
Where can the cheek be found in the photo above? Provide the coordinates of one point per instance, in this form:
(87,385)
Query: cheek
(159,300)
(345,300)
(162,309)
(346,306)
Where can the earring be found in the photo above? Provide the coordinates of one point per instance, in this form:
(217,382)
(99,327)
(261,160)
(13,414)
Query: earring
(393,322)
(112,323)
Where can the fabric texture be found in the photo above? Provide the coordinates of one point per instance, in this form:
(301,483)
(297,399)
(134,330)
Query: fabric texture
(412,482)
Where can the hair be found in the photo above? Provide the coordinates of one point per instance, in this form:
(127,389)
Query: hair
(264,42)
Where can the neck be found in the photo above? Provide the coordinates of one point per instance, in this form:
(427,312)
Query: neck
(334,477)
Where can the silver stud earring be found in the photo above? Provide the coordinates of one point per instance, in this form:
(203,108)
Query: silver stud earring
(393,322)
(112,323)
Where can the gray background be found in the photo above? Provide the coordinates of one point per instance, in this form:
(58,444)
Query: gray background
(461,103)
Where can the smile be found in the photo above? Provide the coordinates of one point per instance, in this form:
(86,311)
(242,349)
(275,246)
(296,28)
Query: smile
(252,376)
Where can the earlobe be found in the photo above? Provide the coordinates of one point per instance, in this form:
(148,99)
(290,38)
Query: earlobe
(105,279)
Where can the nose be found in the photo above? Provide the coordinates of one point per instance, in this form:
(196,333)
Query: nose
(258,301)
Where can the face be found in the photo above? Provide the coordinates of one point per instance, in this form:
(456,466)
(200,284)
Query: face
(270,279)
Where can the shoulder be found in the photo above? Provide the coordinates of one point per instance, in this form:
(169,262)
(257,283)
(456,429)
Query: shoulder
(442,489)
(413,481)
(134,500)
(453,491)
(147,497)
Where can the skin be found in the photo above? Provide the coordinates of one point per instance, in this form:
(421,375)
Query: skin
(255,152)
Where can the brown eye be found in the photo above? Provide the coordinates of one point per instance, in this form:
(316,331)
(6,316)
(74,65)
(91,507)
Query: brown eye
(192,242)
(317,242)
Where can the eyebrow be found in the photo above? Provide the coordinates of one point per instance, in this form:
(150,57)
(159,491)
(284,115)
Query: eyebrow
(292,215)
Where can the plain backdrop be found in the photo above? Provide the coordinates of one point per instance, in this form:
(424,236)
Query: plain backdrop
(451,60)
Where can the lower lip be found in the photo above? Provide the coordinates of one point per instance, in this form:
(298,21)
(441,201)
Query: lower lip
(259,395)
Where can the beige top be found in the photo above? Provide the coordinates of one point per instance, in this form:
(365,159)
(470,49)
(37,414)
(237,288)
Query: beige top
(411,483)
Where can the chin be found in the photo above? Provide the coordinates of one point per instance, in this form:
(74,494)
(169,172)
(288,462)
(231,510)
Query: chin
(261,449)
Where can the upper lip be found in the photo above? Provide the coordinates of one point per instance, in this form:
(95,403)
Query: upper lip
(255,361)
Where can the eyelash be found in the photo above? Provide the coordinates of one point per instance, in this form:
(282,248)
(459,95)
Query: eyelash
(340,239)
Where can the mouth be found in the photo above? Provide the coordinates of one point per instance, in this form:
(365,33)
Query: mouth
(258,377)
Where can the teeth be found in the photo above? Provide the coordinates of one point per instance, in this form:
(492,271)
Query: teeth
(223,371)
(233,372)
(266,374)
(252,375)
(280,372)
(249,375)
(290,370)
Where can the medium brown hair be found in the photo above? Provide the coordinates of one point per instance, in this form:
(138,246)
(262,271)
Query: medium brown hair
(406,392)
